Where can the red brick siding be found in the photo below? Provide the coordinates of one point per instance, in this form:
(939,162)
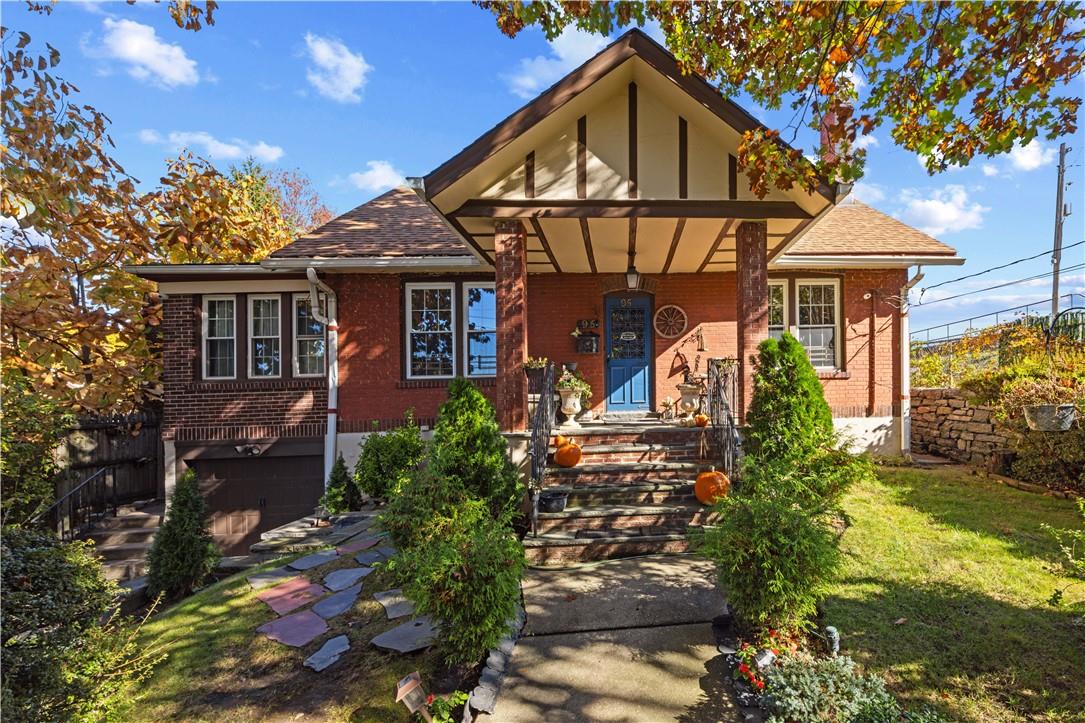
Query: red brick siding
(212,410)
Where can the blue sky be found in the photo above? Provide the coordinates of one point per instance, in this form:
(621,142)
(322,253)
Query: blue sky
(356,95)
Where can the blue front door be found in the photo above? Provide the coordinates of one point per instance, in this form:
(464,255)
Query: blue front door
(628,350)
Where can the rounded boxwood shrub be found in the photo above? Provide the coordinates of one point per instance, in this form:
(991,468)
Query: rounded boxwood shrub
(59,660)
(388,459)
(184,553)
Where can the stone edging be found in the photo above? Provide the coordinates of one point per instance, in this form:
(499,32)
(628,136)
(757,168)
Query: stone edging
(484,697)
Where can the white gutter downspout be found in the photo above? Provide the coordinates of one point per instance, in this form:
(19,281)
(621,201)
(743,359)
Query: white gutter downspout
(330,322)
(906,367)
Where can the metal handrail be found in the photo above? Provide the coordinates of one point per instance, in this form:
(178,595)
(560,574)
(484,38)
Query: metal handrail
(75,501)
(541,426)
(722,387)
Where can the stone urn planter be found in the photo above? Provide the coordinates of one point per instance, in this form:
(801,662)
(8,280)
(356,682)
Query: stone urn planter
(1050,417)
(570,406)
(691,398)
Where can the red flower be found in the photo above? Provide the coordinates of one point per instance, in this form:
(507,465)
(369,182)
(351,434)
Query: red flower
(429,699)
(774,651)
(744,668)
(760,684)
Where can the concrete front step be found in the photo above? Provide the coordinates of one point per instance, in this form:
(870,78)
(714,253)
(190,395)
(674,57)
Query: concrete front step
(129,521)
(574,521)
(557,550)
(635,453)
(650,493)
(121,535)
(624,473)
(122,570)
(633,434)
(123,550)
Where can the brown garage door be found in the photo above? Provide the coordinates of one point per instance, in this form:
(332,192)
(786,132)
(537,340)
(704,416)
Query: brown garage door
(249,495)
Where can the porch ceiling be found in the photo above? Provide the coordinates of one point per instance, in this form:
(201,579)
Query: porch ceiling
(668,244)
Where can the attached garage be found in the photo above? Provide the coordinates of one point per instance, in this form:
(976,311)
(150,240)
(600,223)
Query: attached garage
(248,494)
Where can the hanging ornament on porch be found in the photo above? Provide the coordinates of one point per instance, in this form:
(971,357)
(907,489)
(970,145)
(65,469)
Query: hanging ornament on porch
(670,321)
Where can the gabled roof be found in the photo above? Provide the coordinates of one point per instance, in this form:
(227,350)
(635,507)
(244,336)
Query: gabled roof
(855,229)
(396,223)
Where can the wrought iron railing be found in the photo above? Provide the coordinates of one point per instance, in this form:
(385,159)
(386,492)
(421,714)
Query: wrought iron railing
(84,502)
(722,387)
(542,423)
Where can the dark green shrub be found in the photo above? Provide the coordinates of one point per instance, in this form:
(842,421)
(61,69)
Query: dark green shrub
(800,688)
(183,553)
(773,559)
(467,575)
(388,458)
(470,452)
(30,427)
(423,499)
(340,494)
(59,661)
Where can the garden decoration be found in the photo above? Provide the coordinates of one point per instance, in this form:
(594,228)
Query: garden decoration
(574,391)
(691,398)
(410,693)
(1056,415)
(568,454)
(711,486)
(670,321)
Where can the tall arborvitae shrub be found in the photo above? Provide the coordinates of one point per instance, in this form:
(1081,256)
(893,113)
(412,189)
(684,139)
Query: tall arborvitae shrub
(469,450)
(183,554)
(388,459)
(340,494)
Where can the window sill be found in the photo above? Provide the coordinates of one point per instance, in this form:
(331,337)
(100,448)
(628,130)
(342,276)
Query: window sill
(833,374)
(443,383)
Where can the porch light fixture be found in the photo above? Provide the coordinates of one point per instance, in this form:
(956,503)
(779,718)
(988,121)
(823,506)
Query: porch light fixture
(632,277)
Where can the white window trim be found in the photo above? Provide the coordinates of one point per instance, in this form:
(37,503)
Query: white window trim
(782,283)
(466,310)
(408,288)
(838,318)
(294,358)
(205,339)
(253,298)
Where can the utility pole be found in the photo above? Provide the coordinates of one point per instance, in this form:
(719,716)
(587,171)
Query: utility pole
(1060,214)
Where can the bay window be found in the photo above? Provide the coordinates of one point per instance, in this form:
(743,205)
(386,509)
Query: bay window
(309,344)
(431,338)
(480,330)
(219,337)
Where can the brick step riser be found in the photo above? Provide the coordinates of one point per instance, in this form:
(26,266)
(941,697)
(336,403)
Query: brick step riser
(620,497)
(678,439)
(612,478)
(118,537)
(655,455)
(676,520)
(559,554)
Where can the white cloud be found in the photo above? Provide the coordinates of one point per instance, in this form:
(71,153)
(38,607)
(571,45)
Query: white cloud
(1031,156)
(990,170)
(233,150)
(868,192)
(867,141)
(378,176)
(147,57)
(568,50)
(336,73)
(944,210)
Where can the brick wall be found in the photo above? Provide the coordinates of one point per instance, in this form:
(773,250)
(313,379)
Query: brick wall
(197,410)
(946,424)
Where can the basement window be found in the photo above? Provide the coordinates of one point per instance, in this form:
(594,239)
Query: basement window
(219,337)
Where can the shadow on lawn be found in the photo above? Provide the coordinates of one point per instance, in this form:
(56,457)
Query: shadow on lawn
(955,641)
(984,506)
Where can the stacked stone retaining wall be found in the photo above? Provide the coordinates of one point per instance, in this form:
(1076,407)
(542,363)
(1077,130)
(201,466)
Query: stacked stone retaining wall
(946,424)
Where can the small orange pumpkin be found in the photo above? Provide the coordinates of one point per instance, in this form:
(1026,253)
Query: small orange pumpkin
(711,486)
(702,420)
(568,454)
(560,441)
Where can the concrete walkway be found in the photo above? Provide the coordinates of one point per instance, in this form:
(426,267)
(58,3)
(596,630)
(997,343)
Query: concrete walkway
(625,640)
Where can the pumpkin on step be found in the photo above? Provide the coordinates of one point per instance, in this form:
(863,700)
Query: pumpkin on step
(560,441)
(701,420)
(711,486)
(568,454)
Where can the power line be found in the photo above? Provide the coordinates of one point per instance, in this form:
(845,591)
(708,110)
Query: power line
(925,289)
(1000,286)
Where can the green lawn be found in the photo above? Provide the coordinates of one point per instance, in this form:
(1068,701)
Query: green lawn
(945,589)
(219,669)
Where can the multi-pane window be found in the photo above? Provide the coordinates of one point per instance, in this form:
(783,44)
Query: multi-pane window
(431,337)
(265,332)
(480,302)
(817,323)
(219,337)
(308,339)
(777,309)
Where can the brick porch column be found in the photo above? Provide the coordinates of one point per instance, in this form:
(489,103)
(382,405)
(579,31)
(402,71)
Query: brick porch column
(510,247)
(753,303)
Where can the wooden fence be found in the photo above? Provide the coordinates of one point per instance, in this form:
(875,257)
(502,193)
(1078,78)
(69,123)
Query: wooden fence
(130,446)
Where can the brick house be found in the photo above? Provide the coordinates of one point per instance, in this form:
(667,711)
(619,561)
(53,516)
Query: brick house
(612,201)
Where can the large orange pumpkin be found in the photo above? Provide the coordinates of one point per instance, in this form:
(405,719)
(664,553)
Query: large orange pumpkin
(568,454)
(560,441)
(711,486)
(702,420)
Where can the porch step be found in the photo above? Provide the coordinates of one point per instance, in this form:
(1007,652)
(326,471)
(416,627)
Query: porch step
(633,452)
(123,542)
(652,433)
(106,536)
(577,520)
(123,550)
(124,570)
(557,550)
(651,493)
(619,473)
(132,520)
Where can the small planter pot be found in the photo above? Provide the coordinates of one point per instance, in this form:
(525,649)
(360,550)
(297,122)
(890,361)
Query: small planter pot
(553,501)
(1050,417)
(535,378)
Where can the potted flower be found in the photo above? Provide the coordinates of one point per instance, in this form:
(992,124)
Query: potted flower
(535,369)
(575,392)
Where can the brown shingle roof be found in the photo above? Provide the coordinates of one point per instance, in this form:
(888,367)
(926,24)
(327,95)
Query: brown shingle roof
(854,228)
(396,223)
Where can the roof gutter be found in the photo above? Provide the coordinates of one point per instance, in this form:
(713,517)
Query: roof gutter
(329,318)
(373,263)
(855,261)
(202,269)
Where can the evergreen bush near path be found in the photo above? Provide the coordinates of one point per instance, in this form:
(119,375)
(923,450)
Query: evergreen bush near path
(388,459)
(184,553)
(340,494)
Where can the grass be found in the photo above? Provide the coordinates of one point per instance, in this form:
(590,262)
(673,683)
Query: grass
(944,591)
(218,668)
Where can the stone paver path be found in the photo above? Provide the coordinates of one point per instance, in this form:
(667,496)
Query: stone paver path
(314,560)
(295,630)
(358,545)
(328,654)
(338,603)
(270,577)
(342,579)
(290,595)
(408,637)
(395,604)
